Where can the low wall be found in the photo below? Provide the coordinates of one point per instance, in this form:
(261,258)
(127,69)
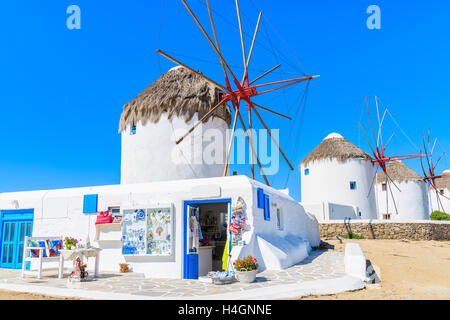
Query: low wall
(380,229)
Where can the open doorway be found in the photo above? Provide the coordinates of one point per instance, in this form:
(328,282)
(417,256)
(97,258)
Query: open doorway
(206,246)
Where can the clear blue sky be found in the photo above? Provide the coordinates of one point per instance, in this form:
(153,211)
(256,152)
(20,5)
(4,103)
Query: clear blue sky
(62,91)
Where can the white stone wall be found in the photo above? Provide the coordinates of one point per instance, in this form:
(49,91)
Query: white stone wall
(152,154)
(59,213)
(411,200)
(329,181)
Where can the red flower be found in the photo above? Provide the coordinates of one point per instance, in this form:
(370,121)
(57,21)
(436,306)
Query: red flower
(234,263)
(242,263)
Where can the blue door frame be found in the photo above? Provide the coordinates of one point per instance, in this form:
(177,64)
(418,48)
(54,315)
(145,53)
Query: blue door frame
(14,226)
(190,265)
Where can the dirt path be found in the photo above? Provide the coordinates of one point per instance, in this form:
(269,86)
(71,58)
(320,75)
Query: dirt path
(12,295)
(408,270)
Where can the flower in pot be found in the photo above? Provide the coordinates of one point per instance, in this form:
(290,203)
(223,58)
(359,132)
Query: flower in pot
(124,267)
(246,269)
(70,242)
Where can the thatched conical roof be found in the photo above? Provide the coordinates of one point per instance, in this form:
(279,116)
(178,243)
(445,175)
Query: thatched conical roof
(398,171)
(335,146)
(179,93)
(444,181)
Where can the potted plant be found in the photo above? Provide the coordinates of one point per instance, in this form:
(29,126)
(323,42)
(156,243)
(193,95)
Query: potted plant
(246,269)
(124,267)
(70,242)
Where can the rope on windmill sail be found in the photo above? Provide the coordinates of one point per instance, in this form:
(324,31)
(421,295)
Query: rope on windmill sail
(396,123)
(359,129)
(298,103)
(285,60)
(281,39)
(297,138)
(159,36)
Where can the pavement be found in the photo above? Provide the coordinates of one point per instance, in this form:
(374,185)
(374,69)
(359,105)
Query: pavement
(321,273)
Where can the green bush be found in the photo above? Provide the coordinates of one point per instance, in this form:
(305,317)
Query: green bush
(353,236)
(438,215)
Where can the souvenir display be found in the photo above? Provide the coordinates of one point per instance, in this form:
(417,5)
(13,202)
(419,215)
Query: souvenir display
(147,232)
(159,231)
(237,224)
(133,232)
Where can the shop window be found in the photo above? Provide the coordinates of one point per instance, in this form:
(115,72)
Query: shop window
(352,185)
(279,219)
(386,216)
(133,130)
(90,203)
(383,187)
(306,172)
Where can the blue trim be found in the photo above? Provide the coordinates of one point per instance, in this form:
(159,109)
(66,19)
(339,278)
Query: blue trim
(15,217)
(190,261)
(90,203)
(260,197)
(266,208)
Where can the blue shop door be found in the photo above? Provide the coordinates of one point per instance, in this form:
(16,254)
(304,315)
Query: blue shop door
(13,236)
(191,249)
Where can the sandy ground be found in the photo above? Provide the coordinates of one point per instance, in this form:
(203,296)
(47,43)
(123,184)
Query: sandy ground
(12,295)
(417,270)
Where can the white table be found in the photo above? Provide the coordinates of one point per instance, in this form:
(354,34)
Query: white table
(82,252)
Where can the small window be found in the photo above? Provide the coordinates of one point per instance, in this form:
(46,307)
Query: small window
(114,210)
(383,187)
(386,216)
(352,185)
(306,172)
(442,191)
(279,219)
(360,214)
(133,130)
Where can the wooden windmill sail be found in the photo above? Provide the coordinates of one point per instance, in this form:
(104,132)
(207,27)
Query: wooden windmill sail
(244,90)
(429,175)
(380,159)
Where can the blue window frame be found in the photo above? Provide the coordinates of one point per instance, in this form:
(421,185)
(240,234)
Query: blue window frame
(306,172)
(352,185)
(266,208)
(133,130)
(90,203)
(260,198)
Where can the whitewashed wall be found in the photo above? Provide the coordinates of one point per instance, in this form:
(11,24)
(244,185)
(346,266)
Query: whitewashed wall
(325,211)
(149,154)
(436,205)
(329,181)
(412,201)
(59,213)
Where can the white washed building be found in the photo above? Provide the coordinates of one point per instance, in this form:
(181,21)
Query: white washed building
(165,214)
(411,200)
(335,181)
(441,201)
